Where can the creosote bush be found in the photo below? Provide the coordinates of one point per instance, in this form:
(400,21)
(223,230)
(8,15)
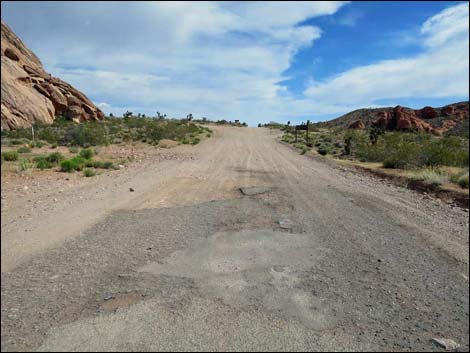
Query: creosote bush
(10,156)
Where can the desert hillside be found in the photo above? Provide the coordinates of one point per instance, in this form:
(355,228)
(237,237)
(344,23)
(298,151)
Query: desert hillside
(451,119)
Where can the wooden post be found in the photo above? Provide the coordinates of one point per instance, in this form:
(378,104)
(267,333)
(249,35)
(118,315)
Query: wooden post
(308,122)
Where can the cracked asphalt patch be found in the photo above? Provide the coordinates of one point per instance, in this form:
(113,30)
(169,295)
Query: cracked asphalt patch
(66,288)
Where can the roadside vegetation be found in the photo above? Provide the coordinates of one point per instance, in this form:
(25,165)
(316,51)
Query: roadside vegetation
(437,160)
(80,141)
(111,130)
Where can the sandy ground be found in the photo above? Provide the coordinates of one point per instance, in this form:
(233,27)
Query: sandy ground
(325,259)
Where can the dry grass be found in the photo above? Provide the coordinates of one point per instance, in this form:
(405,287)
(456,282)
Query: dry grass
(167,143)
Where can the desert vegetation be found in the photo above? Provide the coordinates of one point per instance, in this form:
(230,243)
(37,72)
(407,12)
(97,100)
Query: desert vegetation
(79,140)
(111,130)
(433,159)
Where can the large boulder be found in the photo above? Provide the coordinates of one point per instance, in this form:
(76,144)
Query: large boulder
(32,96)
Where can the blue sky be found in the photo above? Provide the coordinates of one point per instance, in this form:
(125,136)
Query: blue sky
(252,61)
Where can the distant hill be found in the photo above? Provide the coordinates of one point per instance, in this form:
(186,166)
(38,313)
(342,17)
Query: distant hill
(450,119)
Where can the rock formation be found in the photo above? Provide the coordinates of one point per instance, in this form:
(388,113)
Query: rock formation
(401,119)
(32,96)
(358,124)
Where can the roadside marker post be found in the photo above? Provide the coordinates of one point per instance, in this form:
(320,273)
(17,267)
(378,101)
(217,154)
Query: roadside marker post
(302,127)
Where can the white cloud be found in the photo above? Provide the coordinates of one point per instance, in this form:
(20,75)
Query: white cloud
(221,60)
(226,59)
(442,70)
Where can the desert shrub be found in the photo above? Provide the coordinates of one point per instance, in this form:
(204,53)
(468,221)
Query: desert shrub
(10,156)
(88,172)
(54,145)
(86,153)
(37,144)
(461,179)
(448,151)
(15,142)
(24,165)
(75,163)
(323,150)
(54,157)
(24,149)
(105,165)
(74,149)
(288,138)
(42,163)
(48,134)
(303,150)
(85,135)
(432,176)
(195,141)
(354,141)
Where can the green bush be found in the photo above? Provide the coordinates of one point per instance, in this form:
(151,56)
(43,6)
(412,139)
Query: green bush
(24,149)
(74,149)
(10,156)
(89,172)
(106,165)
(42,163)
(49,134)
(55,157)
(75,163)
(323,150)
(37,144)
(15,142)
(463,181)
(86,153)
(195,141)
(85,135)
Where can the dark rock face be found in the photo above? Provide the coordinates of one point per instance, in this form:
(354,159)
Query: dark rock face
(32,96)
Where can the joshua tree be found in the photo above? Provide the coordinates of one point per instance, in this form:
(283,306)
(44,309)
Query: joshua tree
(127,114)
(189,117)
(374,134)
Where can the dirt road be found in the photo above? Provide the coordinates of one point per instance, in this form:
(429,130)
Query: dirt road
(321,258)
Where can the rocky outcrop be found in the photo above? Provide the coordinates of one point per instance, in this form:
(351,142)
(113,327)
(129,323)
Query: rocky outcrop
(358,124)
(426,113)
(32,96)
(401,119)
(452,119)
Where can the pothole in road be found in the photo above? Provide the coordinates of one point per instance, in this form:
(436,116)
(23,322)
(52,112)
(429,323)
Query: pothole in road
(259,268)
(254,190)
(112,303)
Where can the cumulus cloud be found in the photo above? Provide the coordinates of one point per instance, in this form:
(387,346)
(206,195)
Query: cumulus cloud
(441,70)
